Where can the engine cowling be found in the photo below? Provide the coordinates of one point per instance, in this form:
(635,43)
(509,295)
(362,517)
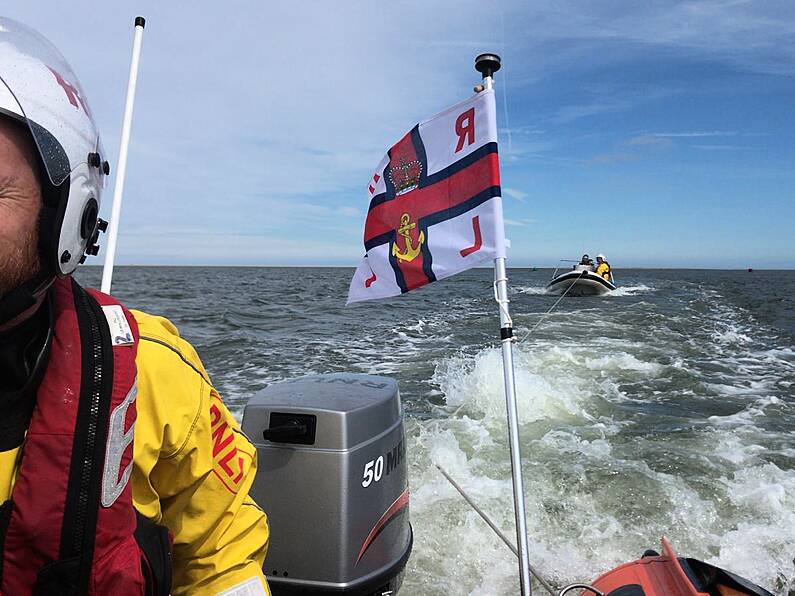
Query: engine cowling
(332,478)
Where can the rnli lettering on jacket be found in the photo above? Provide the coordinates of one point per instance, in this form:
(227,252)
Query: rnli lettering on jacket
(70,525)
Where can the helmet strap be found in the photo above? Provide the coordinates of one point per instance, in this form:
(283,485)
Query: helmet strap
(27,297)
(54,199)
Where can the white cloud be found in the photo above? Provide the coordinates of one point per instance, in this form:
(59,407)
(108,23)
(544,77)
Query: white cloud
(515,194)
(721,147)
(269,117)
(235,249)
(593,108)
(350,212)
(611,158)
(757,36)
(656,141)
(694,134)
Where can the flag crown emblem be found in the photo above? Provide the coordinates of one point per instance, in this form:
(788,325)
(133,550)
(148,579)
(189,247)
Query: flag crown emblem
(406,175)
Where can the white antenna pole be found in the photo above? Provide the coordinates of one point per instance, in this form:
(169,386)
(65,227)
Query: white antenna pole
(113,231)
(487,65)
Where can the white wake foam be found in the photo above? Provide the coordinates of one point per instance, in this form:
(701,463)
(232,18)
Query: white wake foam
(601,484)
(532,290)
(619,291)
(631,290)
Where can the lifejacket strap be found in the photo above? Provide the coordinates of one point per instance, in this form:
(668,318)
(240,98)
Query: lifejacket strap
(155,543)
(5,518)
(78,531)
(60,578)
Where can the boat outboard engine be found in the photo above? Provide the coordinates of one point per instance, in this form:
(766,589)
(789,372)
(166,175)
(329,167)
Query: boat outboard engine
(332,478)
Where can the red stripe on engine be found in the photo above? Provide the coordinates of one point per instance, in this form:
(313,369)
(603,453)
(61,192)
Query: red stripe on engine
(400,503)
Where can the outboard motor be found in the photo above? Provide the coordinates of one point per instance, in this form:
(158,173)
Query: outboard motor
(332,478)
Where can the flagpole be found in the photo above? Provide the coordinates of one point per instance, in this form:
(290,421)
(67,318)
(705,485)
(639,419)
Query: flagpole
(113,232)
(487,65)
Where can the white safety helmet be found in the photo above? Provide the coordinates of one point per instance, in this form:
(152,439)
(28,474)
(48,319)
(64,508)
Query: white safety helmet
(600,256)
(39,89)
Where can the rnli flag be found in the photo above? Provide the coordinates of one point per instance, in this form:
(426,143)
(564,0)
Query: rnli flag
(435,207)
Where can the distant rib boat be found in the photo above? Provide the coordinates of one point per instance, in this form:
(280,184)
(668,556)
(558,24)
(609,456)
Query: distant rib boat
(580,281)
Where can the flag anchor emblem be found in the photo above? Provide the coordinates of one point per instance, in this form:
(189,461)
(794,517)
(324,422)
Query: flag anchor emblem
(411,251)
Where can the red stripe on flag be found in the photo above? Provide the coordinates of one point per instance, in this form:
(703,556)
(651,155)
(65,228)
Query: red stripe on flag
(369,281)
(443,195)
(413,272)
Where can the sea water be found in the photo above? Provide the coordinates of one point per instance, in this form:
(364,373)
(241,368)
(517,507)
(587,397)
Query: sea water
(667,408)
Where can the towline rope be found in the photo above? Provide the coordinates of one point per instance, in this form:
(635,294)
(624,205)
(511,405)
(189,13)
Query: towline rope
(474,505)
(544,316)
(494,527)
(541,320)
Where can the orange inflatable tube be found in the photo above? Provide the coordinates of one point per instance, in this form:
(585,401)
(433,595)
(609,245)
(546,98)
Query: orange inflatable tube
(669,575)
(652,575)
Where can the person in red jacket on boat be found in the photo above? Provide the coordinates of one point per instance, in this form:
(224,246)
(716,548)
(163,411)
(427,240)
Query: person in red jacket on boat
(121,470)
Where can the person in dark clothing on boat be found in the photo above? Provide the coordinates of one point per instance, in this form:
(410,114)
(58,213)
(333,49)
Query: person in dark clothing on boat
(585,261)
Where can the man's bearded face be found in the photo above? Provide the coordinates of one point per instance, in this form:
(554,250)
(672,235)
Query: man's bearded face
(20,204)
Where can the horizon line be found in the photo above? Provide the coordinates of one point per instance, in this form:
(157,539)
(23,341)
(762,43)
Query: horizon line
(294,266)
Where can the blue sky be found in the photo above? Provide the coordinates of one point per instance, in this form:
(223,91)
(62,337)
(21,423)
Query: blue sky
(658,133)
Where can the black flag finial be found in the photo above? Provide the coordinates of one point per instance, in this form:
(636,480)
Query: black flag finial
(487,64)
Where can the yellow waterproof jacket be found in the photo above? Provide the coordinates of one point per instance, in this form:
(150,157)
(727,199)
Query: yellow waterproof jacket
(604,270)
(193,468)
